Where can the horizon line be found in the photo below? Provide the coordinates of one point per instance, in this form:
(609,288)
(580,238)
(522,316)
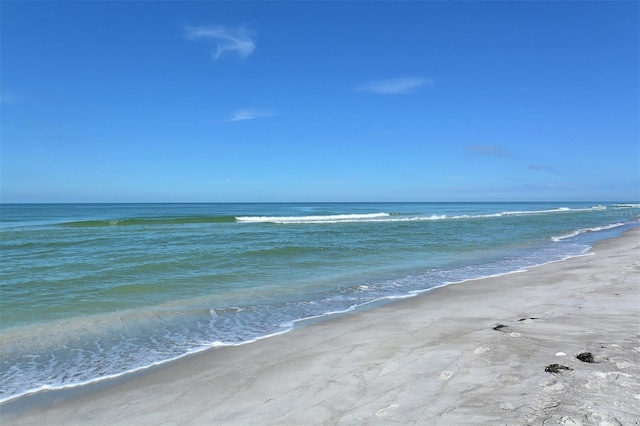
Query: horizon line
(323,202)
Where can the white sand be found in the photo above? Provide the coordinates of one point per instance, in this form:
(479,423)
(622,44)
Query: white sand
(434,359)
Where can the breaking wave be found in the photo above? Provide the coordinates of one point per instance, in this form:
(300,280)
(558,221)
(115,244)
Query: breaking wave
(398,217)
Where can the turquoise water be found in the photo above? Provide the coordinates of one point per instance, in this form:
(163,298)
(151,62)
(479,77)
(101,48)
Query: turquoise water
(98,290)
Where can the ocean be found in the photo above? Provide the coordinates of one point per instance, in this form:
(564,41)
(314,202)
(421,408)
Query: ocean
(96,291)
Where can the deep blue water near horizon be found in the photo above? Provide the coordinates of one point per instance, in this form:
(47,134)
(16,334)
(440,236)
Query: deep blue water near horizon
(90,291)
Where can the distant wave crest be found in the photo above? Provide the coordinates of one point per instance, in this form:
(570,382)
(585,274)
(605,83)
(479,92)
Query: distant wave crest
(333,218)
(398,217)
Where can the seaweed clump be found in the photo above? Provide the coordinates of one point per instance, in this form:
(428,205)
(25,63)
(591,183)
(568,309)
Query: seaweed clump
(556,368)
(586,357)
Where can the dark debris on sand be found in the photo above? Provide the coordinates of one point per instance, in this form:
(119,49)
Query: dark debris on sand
(500,327)
(586,357)
(556,368)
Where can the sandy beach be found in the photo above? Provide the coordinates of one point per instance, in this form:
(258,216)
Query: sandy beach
(479,352)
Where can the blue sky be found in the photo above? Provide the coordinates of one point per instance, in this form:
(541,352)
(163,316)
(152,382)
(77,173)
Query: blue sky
(319,101)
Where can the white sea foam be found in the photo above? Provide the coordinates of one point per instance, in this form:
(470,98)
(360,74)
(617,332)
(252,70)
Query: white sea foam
(201,348)
(585,230)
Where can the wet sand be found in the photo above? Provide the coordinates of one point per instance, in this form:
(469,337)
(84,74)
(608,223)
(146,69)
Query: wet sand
(469,353)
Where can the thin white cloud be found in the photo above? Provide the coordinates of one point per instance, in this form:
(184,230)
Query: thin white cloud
(492,150)
(395,86)
(235,40)
(249,114)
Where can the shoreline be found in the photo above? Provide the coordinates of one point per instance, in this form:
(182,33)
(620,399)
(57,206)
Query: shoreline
(39,396)
(43,396)
(434,357)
